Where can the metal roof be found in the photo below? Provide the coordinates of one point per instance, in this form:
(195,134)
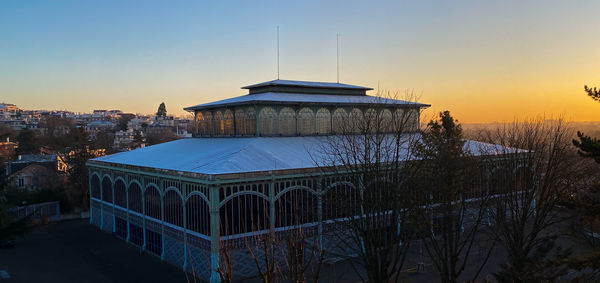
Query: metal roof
(301,98)
(215,156)
(306,84)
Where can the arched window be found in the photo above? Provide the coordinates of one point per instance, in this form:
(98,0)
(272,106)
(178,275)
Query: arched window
(412,119)
(95,187)
(218,123)
(306,121)
(340,201)
(401,120)
(239,122)
(201,124)
(152,202)
(243,214)
(268,121)
(287,121)
(295,207)
(120,194)
(250,122)
(323,121)
(208,125)
(372,121)
(386,120)
(173,205)
(134,195)
(228,129)
(197,215)
(107,190)
(356,120)
(339,120)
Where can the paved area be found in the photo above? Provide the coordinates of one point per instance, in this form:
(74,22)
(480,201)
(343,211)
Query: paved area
(75,251)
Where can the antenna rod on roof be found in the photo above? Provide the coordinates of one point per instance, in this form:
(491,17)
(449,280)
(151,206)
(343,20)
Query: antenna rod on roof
(277,52)
(337,47)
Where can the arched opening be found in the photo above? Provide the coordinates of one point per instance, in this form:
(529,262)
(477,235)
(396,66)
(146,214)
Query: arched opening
(107,190)
(340,201)
(386,120)
(240,128)
(244,213)
(219,126)
(228,123)
(306,121)
(120,201)
(339,120)
(208,123)
(152,202)
(152,209)
(356,120)
(173,208)
(136,232)
(95,187)
(323,121)
(268,121)
(372,121)
(120,194)
(250,122)
(287,121)
(296,207)
(197,215)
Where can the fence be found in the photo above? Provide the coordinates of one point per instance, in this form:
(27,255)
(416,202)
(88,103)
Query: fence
(50,209)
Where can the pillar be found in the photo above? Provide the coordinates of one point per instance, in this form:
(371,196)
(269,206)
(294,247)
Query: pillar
(214,234)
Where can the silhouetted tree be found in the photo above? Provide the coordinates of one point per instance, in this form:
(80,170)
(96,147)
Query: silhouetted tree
(588,146)
(123,120)
(28,142)
(454,230)
(162,110)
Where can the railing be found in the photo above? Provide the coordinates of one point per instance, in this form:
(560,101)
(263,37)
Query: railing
(49,209)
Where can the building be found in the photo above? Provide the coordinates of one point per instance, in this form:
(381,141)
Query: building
(36,171)
(7,107)
(184,200)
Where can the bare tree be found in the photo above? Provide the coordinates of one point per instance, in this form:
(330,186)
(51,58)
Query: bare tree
(454,230)
(536,171)
(371,214)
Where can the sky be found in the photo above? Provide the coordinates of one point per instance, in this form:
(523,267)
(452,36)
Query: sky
(485,61)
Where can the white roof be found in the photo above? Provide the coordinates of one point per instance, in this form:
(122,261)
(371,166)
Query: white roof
(307,98)
(238,155)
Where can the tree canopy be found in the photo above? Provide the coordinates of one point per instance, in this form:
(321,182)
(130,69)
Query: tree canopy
(589,146)
(162,110)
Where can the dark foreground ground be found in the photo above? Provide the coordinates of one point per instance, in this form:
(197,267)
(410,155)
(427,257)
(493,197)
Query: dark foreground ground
(76,251)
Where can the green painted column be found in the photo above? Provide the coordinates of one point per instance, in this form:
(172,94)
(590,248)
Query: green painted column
(214,233)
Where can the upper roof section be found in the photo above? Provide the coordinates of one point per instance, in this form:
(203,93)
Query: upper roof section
(303,92)
(288,86)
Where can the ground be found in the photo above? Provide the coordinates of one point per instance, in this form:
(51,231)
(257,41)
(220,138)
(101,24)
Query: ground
(75,251)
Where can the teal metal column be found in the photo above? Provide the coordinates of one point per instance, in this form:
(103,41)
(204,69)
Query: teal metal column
(272,202)
(320,211)
(101,204)
(214,234)
(185,259)
(127,205)
(90,193)
(144,217)
(112,190)
(162,219)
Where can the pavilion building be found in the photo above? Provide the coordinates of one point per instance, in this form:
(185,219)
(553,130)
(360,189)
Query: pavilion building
(249,157)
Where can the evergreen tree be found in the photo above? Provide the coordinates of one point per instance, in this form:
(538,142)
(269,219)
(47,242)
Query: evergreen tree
(162,110)
(588,146)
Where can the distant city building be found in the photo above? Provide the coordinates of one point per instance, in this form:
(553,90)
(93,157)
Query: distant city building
(7,107)
(7,149)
